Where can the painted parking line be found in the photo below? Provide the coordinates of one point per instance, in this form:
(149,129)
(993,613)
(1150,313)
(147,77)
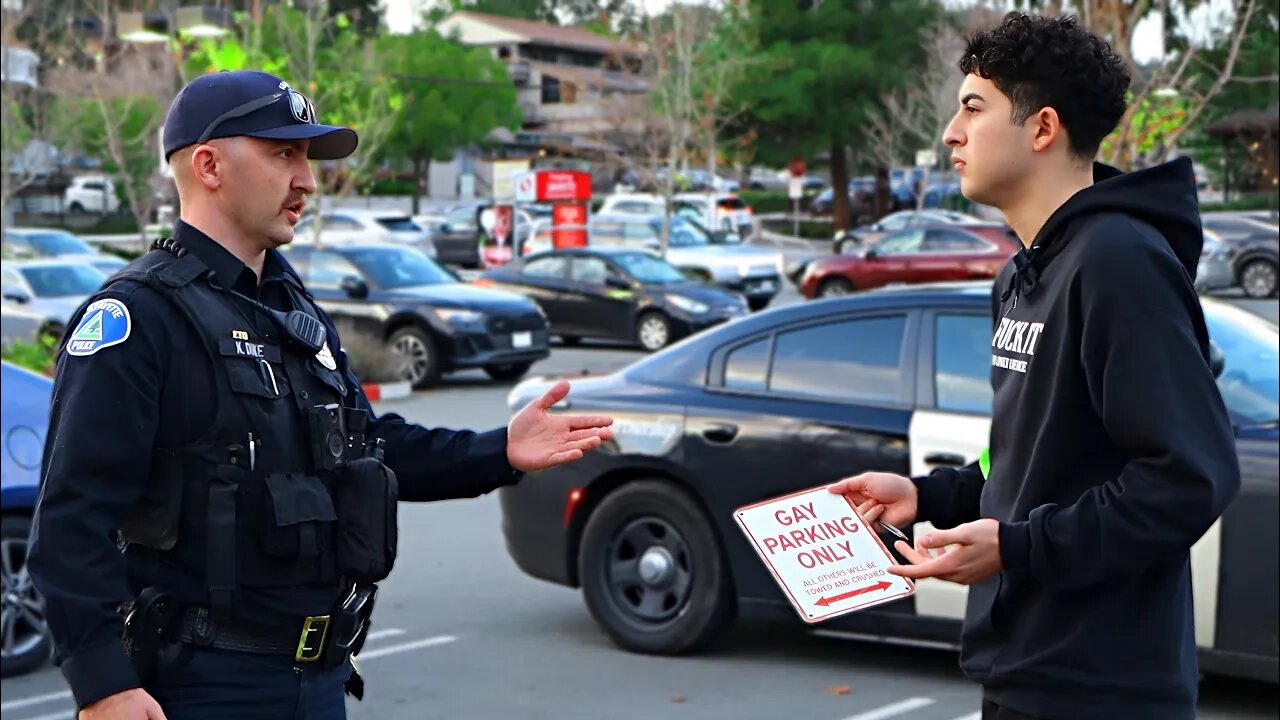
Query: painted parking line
(36,700)
(892,710)
(6,707)
(406,647)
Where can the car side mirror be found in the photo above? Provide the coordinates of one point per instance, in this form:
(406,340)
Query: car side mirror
(1217,360)
(16,295)
(354,287)
(616,282)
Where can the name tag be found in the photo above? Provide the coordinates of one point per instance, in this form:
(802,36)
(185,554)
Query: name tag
(250,349)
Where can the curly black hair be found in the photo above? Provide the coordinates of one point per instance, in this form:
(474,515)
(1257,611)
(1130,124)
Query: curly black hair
(1040,61)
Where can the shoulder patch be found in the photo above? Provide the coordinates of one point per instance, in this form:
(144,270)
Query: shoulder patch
(104,323)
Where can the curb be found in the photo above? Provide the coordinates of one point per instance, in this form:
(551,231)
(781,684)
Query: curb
(387,391)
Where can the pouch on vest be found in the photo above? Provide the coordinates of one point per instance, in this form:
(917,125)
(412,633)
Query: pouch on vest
(297,517)
(155,520)
(366,497)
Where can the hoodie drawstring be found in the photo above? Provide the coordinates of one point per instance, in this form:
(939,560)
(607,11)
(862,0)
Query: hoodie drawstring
(1025,276)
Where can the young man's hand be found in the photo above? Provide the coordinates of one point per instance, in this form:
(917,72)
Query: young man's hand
(966,554)
(881,496)
(133,704)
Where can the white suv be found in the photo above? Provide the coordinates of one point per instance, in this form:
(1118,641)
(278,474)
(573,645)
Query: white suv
(91,194)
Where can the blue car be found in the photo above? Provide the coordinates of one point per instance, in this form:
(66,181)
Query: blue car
(25,413)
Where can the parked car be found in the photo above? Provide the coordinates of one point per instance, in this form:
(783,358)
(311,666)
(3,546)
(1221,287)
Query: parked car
(1248,262)
(917,255)
(722,211)
(861,196)
(25,410)
(616,294)
(19,323)
(433,322)
(753,271)
(95,194)
(346,226)
(457,237)
(54,243)
(893,222)
(52,288)
(801,396)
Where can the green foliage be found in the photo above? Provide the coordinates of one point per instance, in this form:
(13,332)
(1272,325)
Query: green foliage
(451,95)
(1254,201)
(98,126)
(38,356)
(768,201)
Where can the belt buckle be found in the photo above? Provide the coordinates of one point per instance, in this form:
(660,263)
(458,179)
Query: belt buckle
(309,651)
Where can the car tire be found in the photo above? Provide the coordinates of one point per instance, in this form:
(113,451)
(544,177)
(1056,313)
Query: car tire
(758,304)
(654,575)
(23,605)
(507,372)
(1258,279)
(76,208)
(570,340)
(419,356)
(653,331)
(834,287)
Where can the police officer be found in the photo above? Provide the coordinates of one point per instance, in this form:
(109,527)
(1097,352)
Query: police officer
(216,507)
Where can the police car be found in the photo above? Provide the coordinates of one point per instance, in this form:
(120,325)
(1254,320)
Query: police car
(893,380)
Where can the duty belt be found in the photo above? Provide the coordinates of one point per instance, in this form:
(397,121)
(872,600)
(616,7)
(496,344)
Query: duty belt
(305,642)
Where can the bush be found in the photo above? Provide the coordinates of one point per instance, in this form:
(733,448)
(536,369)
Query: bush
(1258,201)
(390,186)
(38,355)
(769,201)
(369,356)
(809,229)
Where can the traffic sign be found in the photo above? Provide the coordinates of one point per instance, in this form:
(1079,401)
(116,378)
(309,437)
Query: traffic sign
(796,167)
(795,187)
(823,555)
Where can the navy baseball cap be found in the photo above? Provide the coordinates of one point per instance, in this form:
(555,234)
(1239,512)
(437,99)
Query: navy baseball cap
(253,103)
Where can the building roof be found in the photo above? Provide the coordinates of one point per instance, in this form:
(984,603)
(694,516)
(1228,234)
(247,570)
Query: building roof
(1247,122)
(546,33)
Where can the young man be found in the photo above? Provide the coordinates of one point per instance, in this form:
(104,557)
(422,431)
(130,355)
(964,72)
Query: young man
(1111,452)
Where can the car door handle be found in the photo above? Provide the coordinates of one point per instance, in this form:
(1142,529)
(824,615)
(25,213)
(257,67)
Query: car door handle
(720,432)
(942,458)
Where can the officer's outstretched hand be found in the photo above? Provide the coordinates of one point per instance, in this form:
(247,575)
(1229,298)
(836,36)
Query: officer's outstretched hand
(133,704)
(537,440)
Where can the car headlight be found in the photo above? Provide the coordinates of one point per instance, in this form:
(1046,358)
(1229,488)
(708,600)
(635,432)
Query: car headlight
(688,305)
(456,316)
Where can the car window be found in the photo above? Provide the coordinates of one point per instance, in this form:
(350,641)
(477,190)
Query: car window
(399,224)
(589,270)
(730,203)
(854,360)
(746,367)
(63,280)
(343,223)
(546,267)
(328,268)
(97,186)
(904,243)
(58,243)
(462,220)
(896,222)
(1250,378)
(962,363)
(637,234)
(11,280)
(952,241)
(632,206)
(398,267)
(650,268)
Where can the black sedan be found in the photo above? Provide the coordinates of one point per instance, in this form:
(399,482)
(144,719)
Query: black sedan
(616,294)
(800,396)
(434,322)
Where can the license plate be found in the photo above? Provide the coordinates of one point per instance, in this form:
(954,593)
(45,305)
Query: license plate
(522,340)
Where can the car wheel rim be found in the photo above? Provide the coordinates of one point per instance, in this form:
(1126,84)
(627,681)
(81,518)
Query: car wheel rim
(834,290)
(1259,280)
(653,333)
(23,616)
(649,570)
(415,358)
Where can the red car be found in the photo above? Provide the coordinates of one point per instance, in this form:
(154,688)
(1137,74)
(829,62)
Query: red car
(934,253)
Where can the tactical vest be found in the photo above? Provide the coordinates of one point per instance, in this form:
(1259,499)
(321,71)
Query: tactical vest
(245,505)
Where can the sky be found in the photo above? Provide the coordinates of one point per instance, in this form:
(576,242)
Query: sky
(1147,45)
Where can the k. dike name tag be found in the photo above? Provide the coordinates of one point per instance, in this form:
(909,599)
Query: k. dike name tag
(826,559)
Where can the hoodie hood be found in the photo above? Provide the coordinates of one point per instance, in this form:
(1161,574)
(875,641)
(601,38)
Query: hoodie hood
(1163,196)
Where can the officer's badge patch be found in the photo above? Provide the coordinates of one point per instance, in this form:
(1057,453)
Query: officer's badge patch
(104,323)
(326,358)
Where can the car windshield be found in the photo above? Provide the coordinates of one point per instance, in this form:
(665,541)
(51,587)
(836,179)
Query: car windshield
(63,280)
(649,269)
(399,224)
(1250,379)
(391,267)
(58,243)
(683,233)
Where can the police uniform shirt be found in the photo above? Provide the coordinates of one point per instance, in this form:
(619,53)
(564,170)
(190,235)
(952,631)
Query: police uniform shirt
(154,388)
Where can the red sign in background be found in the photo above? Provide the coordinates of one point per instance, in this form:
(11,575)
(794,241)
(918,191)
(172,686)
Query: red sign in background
(568,225)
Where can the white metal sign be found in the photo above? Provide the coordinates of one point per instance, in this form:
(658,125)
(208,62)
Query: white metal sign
(795,188)
(926,158)
(826,559)
(526,187)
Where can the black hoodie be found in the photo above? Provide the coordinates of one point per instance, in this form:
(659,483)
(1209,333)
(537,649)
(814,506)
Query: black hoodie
(1111,454)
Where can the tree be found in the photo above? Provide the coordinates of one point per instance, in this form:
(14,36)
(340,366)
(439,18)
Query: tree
(830,63)
(320,54)
(1194,70)
(453,97)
